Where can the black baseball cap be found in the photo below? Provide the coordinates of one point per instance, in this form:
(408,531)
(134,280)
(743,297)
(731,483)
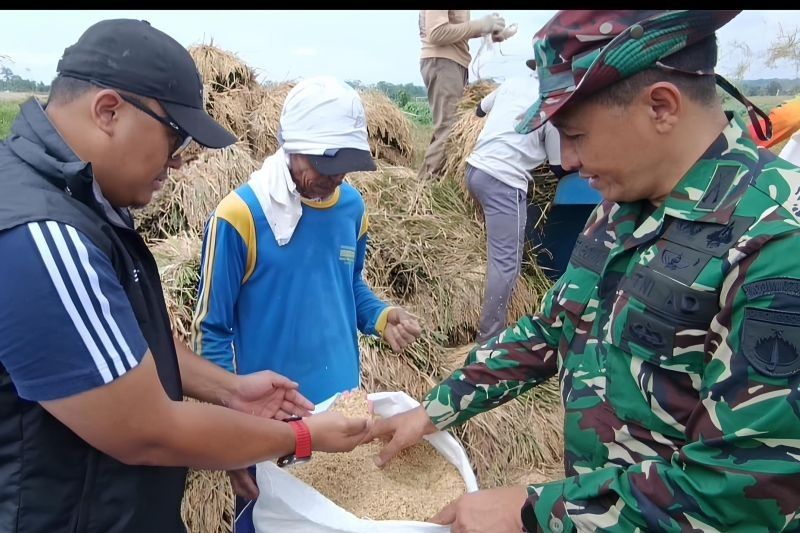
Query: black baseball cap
(338,161)
(133,56)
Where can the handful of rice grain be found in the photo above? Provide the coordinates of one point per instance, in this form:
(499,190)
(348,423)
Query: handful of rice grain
(414,485)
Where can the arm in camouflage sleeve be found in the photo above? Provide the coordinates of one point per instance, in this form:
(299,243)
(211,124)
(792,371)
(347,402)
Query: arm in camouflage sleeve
(740,468)
(505,367)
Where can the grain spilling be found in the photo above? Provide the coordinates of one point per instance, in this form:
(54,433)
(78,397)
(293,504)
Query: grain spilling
(415,485)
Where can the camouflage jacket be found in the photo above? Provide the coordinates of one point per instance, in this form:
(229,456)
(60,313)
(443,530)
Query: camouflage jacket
(675,334)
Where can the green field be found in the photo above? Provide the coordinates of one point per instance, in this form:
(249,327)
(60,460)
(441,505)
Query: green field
(8,112)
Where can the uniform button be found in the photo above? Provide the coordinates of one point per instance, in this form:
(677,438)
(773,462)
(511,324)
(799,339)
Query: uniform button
(556,525)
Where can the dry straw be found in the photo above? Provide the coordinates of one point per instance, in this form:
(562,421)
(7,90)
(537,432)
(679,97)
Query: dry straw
(264,121)
(208,504)
(388,128)
(428,251)
(233,109)
(178,260)
(208,501)
(464,133)
(220,69)
(192,192)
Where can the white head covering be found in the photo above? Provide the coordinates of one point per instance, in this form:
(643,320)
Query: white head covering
(322,113)
(320,117)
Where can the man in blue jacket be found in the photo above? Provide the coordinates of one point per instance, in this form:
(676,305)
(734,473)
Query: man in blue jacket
(281,283)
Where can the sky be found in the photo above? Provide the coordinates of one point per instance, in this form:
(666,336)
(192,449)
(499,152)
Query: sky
(365,45)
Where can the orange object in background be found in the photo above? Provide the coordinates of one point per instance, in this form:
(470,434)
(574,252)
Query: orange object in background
(785,121)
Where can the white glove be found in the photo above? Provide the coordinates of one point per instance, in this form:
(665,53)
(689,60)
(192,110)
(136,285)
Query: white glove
(491,23)
(506,33)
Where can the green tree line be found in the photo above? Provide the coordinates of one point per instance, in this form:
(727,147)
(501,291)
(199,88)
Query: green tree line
(16,83)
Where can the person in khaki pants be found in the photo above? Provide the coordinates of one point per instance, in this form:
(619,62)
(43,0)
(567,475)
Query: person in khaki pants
(443,63)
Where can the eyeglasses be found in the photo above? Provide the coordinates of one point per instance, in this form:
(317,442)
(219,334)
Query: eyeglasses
(183,139)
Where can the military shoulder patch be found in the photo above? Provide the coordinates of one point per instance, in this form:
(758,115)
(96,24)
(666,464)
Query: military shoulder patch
(771,287)
(770,340)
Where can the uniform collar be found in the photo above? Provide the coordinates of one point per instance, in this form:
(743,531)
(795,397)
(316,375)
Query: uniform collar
(712,188)
(708,192)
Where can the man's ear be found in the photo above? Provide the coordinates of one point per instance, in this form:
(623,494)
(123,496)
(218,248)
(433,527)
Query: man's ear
(105,106)
(666,105)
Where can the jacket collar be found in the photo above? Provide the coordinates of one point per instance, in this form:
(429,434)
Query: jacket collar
(36,141)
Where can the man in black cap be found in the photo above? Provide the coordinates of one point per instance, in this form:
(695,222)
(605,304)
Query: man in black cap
(93,435)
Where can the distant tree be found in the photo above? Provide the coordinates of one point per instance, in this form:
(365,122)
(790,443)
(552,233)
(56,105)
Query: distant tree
(6,73)
(16,83)
(396,92)
(355,84)
(749,90)
(402,98)
(773,88)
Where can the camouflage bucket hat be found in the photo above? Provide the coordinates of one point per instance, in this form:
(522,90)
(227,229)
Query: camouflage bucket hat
(579,52)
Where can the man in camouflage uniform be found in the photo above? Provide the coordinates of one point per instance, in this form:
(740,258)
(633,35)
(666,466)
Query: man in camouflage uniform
(675,331)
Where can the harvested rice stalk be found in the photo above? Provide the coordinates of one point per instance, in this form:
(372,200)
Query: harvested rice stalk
(474,93)
(428,252)
(264,119)
(191,193)
(460,143)
(208,501)
(178,260)
(388,128)
(220,69)
(233,109)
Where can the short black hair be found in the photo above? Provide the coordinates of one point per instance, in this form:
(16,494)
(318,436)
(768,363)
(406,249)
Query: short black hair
(701,55)
(65,89)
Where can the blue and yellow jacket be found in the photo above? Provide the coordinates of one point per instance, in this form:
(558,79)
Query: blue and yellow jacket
(293,309)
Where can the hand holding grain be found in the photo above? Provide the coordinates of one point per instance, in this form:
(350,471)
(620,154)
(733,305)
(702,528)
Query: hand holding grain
(401,431)
(334,432)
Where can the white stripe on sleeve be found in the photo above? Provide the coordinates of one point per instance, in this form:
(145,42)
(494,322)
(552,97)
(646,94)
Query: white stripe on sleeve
(83,253)
(86,301)
(58,282)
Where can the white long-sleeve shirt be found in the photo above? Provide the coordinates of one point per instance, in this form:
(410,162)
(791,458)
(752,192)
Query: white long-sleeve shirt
(503,153)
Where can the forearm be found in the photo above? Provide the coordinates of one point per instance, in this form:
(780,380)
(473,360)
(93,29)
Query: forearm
(210,437)
(453,33)
(203,380)
(506,367)
(371,311)
(133,420)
